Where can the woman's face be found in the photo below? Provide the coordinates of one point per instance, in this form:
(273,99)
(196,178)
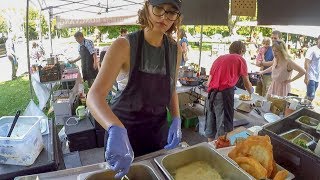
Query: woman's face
(276,52)
(162,16)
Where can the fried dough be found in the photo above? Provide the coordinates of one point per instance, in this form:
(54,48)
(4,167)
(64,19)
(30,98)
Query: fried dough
(281,175)
(258,148)
(252,166)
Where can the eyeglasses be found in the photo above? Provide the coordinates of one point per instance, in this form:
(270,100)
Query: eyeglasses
(160,11)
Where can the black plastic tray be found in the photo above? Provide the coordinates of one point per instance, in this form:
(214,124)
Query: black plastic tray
(302,163)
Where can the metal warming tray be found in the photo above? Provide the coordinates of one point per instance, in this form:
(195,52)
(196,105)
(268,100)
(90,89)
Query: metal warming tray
(303,162)
(200,152)
(308,122)
(141,170)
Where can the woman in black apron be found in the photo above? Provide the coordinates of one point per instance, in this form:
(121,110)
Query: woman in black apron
(136,119)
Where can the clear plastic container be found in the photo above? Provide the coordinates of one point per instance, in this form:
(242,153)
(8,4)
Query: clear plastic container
(25,143)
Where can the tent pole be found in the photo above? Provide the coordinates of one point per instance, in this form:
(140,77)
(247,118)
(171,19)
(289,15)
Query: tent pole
(28,57)
(50,38)
(200,46)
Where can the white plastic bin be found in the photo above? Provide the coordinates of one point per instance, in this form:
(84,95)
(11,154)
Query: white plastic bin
(25,143)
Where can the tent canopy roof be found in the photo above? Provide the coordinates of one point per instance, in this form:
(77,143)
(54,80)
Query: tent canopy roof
(86,9)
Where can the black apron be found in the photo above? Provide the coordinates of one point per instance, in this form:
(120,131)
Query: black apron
(88,72)
(228,103)
(142,105)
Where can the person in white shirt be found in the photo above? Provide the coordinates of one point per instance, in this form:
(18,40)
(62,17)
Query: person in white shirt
(11,54)
(312,67)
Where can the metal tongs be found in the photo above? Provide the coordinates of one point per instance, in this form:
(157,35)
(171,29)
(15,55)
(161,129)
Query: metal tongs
(252,105)
(125,177)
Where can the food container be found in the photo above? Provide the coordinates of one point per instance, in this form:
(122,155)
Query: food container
(25,143)
(290,135)
(225,151)
(201,152)
(304,163)
(308,122)
(142,170)
(300,138)
(189,81)
(49,73)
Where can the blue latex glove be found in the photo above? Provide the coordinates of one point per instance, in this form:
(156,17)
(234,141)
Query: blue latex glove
(119,153)
(174,135)
(252,90)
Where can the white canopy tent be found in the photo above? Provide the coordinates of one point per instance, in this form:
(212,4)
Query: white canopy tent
(312,31)
(81,13)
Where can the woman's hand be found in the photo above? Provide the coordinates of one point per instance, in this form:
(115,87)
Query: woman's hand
(118,153)
(174,135)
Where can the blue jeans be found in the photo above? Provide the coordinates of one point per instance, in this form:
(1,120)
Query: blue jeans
(311,89)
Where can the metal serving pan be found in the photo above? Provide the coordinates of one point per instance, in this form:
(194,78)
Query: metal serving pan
(141,170)
(308,122)
(200,152)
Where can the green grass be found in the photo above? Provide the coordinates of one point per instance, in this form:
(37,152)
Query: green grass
(14,95)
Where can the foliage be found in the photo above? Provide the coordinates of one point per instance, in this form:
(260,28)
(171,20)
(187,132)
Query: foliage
(3,24)
(36,21)
(114,31)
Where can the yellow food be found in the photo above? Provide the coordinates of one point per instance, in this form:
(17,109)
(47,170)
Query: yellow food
(281,175)
(245,97)
(252,166)
(258,148)
(198,170)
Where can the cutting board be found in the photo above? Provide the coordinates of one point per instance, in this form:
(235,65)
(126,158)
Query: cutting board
(244,107)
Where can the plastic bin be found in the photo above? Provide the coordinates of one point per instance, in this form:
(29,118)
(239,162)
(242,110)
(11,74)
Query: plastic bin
(190,119)
(25,143)
(169,118)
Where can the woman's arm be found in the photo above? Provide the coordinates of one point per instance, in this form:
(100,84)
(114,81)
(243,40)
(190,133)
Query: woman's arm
(209,80)
(268,70)
(296,67)
(174,102)
(184,47)
(117,57)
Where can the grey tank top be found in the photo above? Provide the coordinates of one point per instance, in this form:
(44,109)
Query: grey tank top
(153,59)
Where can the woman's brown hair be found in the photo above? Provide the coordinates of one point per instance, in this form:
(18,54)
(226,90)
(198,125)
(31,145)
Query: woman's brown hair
(144,21)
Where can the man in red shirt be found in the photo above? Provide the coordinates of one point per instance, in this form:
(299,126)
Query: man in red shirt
(224,74)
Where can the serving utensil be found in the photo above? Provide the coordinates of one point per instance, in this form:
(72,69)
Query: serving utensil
(14,122)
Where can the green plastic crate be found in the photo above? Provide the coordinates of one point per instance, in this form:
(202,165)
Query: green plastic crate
(189,118)
(169,118)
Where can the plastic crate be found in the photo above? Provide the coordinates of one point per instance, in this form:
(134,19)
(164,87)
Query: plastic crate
(190,118)
(49,73)
(169,118)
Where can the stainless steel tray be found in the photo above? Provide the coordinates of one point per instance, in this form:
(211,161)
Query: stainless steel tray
(313,123)
(84,171)
(141,170)
(290,135)
(200,152)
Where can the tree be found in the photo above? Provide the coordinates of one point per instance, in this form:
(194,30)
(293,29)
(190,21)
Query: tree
(3,25)
(114,31)
(36,21)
